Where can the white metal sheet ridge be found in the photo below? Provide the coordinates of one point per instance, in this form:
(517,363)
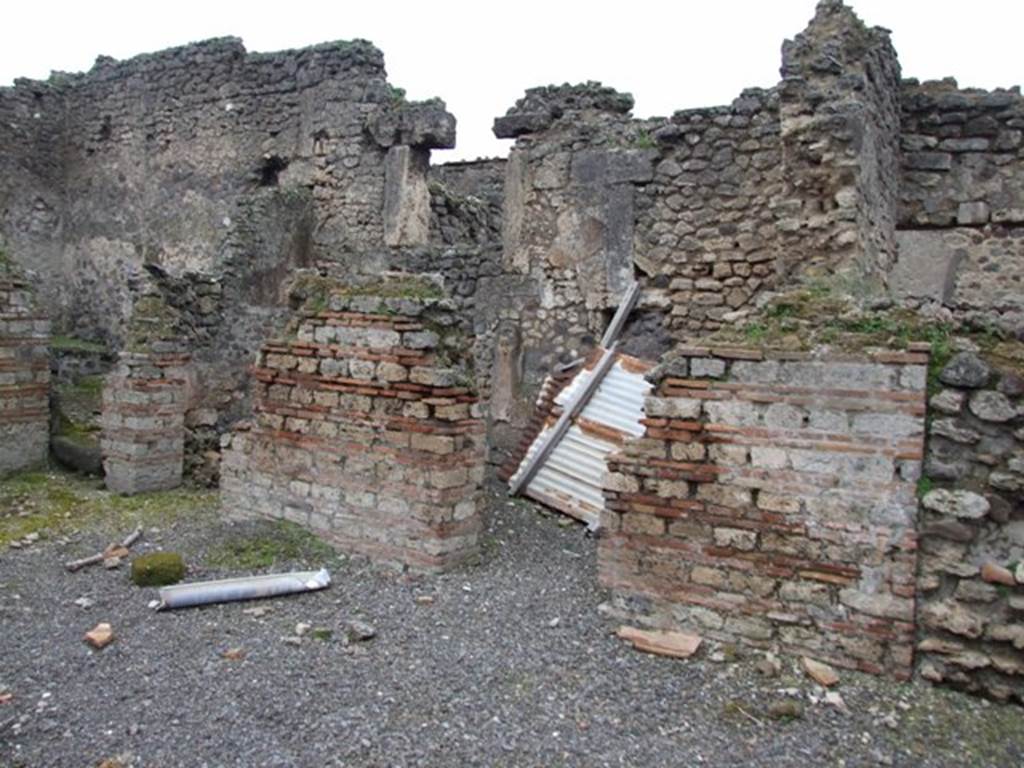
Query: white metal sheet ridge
(571,478)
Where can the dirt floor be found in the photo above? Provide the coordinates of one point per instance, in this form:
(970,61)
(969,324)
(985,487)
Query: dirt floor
(508,662)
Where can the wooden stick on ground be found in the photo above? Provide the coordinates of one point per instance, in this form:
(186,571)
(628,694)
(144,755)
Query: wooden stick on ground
(130,539)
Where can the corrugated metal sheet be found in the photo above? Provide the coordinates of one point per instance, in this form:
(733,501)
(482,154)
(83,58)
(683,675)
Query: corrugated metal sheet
(572,476)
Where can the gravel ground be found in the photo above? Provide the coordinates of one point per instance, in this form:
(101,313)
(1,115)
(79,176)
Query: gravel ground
(505,663)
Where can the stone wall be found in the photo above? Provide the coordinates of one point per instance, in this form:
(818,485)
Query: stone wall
(569,214)
(32,125)
(972,530)
(219,173)
(707,229)
(710,209)
(771,503)
(143,426)
(840,134)
(367,429)
(24,373)
(158,157)
(466,203)
(962,202)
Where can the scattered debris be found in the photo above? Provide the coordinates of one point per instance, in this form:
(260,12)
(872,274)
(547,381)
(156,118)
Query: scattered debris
(158,569)
(785,709)
(302,628)
(890,721)
(258,612)
(154,604)
(735,707)
(664,643)
(997,574)
(244,588)
(233,654)
(833,698)
(769,666)
(116,550)
(424,599)
(820,672)
(111,563)
(360,631)
(292,640)
(24,541)
(84,602)
(100,636)
(322,633)
(554,622)
(6,697)
(111,551)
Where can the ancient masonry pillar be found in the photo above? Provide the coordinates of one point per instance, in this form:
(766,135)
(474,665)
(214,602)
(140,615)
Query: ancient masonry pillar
(366,428)
(143,438)
(24,374)
(144,401)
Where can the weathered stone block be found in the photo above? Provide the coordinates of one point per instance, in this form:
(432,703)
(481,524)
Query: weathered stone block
(973,213)
(406,197)
(673,407)
(738,538)
(707,367)
(963,504)
(992,406)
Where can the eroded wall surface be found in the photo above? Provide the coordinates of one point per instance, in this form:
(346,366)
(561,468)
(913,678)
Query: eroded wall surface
(771,503)
(961,212)
(971,612)
(367,429)
(211,174)
(24,373)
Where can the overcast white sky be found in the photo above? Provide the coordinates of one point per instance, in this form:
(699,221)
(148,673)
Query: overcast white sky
(480,57)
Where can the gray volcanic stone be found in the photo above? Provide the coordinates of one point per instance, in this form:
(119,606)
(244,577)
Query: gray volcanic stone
(948,401)
(426,124)
(973,213)
(540,107)
(1012,385)
(963,504)
(78,454)
(965,370)
(949,428)
(992,406)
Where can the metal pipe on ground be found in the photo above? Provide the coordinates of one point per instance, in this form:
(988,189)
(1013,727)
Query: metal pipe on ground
(242,588)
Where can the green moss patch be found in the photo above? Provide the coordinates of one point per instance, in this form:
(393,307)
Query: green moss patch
(817,315)
(78,407)
(153,319)
(158,569)
(58,503)
(277,542)
(311,292)
(72,344)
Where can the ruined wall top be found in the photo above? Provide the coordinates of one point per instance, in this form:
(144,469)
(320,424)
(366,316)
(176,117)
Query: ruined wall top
(541,107)
(304,66)
(835,42)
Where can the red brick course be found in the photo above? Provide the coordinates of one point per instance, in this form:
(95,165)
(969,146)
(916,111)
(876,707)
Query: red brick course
(376,443)
(774,506)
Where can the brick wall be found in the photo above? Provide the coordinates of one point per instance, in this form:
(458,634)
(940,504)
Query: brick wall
(771,503)
(366,428)
(24,376)
(143,421)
